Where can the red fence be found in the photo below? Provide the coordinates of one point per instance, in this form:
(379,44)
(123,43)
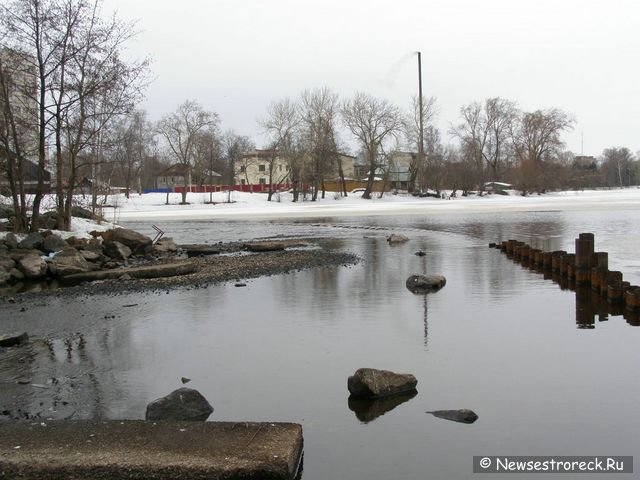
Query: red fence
(257,187)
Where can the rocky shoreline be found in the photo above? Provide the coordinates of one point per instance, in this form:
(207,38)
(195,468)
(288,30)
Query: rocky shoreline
(118,262)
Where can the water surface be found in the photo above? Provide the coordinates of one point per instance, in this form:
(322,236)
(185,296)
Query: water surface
(547,370)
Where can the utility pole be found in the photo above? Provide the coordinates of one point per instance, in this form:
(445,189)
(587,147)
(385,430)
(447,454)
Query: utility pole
(421,121)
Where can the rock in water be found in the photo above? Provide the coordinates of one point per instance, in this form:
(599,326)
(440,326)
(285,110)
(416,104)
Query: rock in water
(397,238)
(184,404)
(13,339)
(372,383)
(425,283)
(463,416)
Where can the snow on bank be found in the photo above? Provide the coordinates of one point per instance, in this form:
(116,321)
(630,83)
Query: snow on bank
(247,205)
(152,206)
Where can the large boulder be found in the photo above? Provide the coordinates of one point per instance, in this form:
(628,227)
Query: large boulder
(372,383)
(5,276)
(463,416)
(116,250)
(184,404)
(16,274)
(396,238)
(31,242)
(425,283)
(53,243)
(91,255)
(11,241)
(80,212)
(137,242)
(7,262)
(48,221)
(165,245)
(68,262)
(32,265)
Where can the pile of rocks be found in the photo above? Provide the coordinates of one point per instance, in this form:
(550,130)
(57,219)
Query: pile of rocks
(44,255)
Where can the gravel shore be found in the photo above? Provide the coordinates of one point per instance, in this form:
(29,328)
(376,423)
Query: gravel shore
(231,265)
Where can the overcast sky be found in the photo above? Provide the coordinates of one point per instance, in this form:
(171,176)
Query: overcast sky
(236,56)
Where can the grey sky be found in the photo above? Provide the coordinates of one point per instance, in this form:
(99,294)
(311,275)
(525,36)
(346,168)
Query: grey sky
(234,57)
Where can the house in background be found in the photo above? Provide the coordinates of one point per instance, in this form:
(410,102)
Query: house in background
(29,178)
(173,176)
(172,179)
(254,169)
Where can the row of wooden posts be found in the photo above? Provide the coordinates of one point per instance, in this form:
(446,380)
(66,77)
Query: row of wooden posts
(585,267)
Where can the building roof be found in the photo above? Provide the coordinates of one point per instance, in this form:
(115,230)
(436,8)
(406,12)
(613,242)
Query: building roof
(176,170)
(260,153)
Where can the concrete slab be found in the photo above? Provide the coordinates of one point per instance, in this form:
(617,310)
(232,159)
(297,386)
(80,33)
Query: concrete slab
(135,449)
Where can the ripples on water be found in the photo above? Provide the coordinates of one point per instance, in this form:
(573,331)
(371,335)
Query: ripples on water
(546,369)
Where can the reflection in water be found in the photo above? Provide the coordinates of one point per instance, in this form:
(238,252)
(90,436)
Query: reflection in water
(367,410)
(279,349)
(590,304)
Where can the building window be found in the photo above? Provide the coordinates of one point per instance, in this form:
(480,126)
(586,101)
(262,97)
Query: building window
(242,182)
(261,168)
(263,181)
(243,168)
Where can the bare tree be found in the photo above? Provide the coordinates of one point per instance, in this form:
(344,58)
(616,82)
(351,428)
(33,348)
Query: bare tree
(413,134)
(180,129)
(485,133)
(373,123)
(133,144)
(319,113)
(31,31)
(207,151)
(80,82)
(537,139)
(233,147)
(617,166)
(280,124)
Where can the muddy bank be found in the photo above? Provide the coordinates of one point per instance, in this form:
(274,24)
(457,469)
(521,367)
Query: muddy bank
(231,264)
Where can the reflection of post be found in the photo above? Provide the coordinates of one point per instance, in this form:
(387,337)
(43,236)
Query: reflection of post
(426,323)
(585,309)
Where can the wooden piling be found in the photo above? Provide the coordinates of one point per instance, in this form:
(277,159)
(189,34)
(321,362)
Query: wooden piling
(556,258)
(615,293)
(584,250)
(632,297)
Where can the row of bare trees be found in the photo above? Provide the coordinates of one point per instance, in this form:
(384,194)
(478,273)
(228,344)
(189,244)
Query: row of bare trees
(306,134)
